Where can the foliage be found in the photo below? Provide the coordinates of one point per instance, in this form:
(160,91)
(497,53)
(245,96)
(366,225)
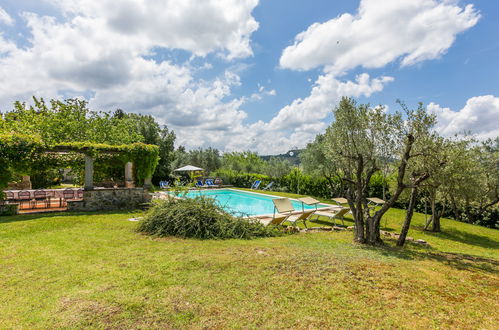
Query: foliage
(8,209)
(277,167)
(364,140)
(199,218)
(24,153)
(208,159)
(166,153)
(314,160)
(70,121)
(247,162)
(17,152)
(298,182)
(239,179)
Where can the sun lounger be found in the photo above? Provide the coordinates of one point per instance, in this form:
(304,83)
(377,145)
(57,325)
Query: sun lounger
(267,187)
(309,201)
(208,183)
(376,201)
(295,218)
(285,212)
(199,184)
(256,184)
(340,200)
(284,209)
(334,214)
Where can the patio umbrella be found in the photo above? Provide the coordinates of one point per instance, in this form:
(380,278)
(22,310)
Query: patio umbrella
(188,168)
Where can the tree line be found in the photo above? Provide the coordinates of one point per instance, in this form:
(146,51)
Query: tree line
(365,152)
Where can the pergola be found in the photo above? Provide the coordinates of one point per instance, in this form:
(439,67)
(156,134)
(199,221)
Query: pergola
(88,153)
(21,153)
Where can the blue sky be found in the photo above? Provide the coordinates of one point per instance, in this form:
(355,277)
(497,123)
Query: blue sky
(256,75)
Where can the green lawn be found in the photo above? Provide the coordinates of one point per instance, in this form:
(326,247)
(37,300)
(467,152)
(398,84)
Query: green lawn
(93,270)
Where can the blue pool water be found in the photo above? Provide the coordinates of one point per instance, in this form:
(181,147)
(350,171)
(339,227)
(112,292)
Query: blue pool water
(243,203)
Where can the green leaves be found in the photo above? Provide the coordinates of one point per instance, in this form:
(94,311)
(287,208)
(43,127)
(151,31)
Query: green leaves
(200,218)
(23,152)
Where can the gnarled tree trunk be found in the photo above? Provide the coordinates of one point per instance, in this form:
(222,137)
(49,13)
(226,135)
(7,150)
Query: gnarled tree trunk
(408,217)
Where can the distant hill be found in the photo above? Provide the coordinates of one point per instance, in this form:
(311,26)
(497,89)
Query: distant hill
(291,155)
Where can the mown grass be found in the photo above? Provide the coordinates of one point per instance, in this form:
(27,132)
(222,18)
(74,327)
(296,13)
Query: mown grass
(93,270)
(456,237)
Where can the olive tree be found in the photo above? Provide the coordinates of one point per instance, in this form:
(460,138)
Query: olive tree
(468,181)
(359,141)
(315,162)
(429,155)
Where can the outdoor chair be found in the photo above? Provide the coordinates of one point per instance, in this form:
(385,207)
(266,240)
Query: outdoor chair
(40,195)
(50,195)
(24,196)
(256,184)
(267,187)
(334,214)
(208,183)
(199,184)
(218,182)
(68,194)
(9,195)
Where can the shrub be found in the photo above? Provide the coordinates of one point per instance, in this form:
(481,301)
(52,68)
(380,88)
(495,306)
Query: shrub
(8,209)
(199,218)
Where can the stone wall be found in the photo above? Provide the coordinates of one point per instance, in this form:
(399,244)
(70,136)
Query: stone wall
(110,199)
(24,184)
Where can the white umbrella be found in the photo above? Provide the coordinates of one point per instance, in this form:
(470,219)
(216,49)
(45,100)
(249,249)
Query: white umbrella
(188,168)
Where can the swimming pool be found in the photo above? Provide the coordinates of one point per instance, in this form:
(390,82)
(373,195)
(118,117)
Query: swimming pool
(242,203)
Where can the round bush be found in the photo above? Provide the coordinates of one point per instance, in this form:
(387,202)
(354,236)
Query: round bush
(199,218)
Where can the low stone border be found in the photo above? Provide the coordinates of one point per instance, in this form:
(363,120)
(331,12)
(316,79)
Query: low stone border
(408,238)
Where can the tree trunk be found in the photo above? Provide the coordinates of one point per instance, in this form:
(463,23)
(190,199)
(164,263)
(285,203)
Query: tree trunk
(360,236)
(408,217)
(436,220)
(455,209)
(433,210)
(373,235)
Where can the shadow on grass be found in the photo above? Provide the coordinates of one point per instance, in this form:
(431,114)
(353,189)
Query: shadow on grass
(330,223)
(466,238)
(36,216)
(455,260)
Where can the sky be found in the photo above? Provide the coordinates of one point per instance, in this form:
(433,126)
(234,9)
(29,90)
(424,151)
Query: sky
(256,75)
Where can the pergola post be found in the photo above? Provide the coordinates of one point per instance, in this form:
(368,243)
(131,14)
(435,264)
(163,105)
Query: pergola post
(129,183)
(89,173)
(26,182)
(148,182)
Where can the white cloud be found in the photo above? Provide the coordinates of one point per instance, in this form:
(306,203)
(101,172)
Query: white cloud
(104,51)
(298,123)
(325,94)
(200,27)
(480,116)
(92,53)
(5,17)
(258,96)
(381,32)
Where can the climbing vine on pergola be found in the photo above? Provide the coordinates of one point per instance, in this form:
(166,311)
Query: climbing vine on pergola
(21,152)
